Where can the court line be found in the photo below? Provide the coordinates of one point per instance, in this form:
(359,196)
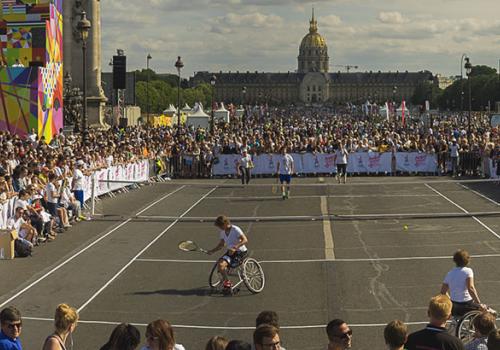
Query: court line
(112,323)
(465,211)
(298,261)
(327,231)
(50,272)
(480,194)
(327,196)
(96,294)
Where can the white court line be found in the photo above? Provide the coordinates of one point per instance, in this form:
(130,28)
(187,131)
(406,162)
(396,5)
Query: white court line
(142,251)
(299,261)
(328,196)
(34,283)
(480,194)
(327,231)
(111,323)
(465,211)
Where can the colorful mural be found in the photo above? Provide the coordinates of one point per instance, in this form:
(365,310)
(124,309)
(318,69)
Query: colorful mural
(31,32)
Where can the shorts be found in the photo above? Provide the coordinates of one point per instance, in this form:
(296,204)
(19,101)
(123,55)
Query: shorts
(461,308)
(52,207)
(285,178)
(234,260)
(341,168)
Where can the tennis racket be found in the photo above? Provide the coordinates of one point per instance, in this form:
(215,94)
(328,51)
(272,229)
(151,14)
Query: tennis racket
(190,246)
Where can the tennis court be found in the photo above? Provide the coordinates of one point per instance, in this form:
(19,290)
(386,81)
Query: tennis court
(368,252)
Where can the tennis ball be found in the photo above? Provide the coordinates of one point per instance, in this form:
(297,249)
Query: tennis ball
(405,227)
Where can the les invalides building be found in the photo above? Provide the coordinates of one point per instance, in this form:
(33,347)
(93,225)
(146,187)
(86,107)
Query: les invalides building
(312,83)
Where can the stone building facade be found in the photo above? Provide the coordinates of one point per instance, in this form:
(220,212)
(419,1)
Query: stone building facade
(312,83)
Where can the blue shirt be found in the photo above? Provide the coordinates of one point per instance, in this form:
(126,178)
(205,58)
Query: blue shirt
(7,343)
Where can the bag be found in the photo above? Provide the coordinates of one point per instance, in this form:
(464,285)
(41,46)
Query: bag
(22,249)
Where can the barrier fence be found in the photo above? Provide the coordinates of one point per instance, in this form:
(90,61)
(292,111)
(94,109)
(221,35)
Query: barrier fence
(364,163)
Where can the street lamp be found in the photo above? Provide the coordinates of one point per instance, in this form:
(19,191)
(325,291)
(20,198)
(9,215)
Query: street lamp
(147,87)
(84,26)
(243,102)
(468,71)
(212,83)
(394,91)
(179,65)
(464,56)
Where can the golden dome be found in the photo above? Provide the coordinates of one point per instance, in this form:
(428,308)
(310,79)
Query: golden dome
(313,40)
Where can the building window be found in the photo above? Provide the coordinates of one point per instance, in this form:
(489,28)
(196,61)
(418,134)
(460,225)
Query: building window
(308,88)
(319,88)
(314,87)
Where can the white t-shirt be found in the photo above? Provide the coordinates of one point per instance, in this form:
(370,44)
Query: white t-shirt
(78,180)
(15,224)
(286,164)
(20,203)
(456,279)
(49,189)
(341,156)
(233,238)
(245,161)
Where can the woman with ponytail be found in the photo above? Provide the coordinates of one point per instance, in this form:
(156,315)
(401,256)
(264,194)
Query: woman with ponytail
(65,321)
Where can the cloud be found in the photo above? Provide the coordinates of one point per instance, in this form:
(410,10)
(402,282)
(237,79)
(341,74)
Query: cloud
(391,17)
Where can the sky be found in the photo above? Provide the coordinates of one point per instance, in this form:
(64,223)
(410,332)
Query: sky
(264,35)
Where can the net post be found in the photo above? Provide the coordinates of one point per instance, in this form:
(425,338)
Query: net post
(92,210)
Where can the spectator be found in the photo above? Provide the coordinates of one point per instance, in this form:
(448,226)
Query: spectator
(78,182)
(238,345)
(65,321)
(267,317)
(160,336)
(434,336)
(11,326)
(395,335)
(484,324)
(124,337)
(494,340)
(339,335)
(216,343)
(25,231)
(266,337)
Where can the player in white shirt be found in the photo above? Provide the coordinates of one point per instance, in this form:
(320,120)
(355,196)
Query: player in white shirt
(233,238)
(285,169)
(459,283)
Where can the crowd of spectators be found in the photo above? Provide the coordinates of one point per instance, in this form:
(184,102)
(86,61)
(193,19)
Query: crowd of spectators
(159,334)
(38,173)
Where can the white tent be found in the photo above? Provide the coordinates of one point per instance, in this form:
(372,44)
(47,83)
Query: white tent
(221,114)
(198,118)
(170,111)
(187,109)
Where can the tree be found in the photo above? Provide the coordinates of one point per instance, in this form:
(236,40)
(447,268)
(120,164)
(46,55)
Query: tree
(426,91)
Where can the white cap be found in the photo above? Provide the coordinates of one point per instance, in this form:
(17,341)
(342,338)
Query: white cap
(80,162)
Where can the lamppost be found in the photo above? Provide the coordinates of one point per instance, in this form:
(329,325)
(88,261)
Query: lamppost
(147,87)
(468,71)
(394,91)
(84,26)
(179,65)
(212,121)
(464,56)
(243,102)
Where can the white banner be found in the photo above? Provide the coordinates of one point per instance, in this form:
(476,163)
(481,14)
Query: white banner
(416,162)
(324,163)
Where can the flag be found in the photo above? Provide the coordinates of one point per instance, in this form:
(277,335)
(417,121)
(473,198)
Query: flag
(387,110)
(403,107)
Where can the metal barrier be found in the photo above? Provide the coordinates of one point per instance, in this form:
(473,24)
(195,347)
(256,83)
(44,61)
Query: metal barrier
(187,166)
(469,163)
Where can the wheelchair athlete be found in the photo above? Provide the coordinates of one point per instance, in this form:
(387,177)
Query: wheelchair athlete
(234,239)
(459,284)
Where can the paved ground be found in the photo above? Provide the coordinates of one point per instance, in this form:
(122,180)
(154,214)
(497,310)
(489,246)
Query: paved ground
(117,269)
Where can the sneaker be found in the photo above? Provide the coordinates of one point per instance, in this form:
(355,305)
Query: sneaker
(68,226)
(41,240)
(81,217)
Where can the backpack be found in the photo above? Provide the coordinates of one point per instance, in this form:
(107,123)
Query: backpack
(22,249)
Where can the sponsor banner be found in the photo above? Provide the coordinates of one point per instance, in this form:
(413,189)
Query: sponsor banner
(324,163)
(415,162)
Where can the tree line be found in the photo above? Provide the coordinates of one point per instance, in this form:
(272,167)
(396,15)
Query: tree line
(485,91)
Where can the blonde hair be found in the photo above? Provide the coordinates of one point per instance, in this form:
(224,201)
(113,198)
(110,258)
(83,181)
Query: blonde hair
(65,316)
(440,307)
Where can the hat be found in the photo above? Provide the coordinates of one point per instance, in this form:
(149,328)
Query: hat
(80,162)
(37,196)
